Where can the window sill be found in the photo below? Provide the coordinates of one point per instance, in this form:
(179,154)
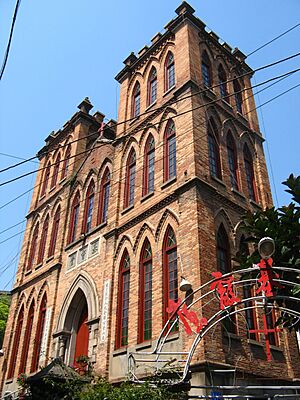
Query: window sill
(100,226)
(119,352)
(232,336)
(52,189)
(254,204)
(72,244)
(144,345)
(127,209)
(253,342)
(42,197)
(218,180)
(238,193)
(50,258)
(169,90)
(276,348)
(7,382)
(63,179)
(240,115)
(28,272)
(226,104)
(147,196)
(172,336)
(133,120)
(169,182)
(150,106)
(38,266)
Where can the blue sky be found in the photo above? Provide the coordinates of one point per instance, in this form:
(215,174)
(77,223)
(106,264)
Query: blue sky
(63,51)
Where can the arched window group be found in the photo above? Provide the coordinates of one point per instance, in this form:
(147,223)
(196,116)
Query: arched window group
(145,307)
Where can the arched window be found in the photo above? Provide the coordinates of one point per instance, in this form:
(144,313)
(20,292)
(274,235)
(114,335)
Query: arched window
(54,232)
(170,271)
(224,266)
(74,214)
(249,173)
(88,208)
(213,148)
(55,172)
(43,240)
(238,96)
(104,196)
(66,163)
(33,247)
(16,342)
(136,101)
(206,70)
(46,179)
(169,71)
(170,151)
(39,334)
(27,338)
(130,179)
(145,303)
(232,161)
(123,302)
(223,83)
(149,162)
(152,87)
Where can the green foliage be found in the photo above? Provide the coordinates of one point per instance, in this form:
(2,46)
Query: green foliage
(4,309)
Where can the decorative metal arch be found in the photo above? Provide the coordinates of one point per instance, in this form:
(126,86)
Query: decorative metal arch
(172,367)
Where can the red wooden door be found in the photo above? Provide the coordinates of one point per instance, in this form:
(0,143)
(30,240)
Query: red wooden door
(82,338)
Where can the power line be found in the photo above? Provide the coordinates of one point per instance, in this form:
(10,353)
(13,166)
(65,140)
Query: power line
(120,181)
(161,108)
(16,157)
(273,40)
(10,39)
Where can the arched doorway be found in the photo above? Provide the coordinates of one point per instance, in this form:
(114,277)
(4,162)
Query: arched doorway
(82,338)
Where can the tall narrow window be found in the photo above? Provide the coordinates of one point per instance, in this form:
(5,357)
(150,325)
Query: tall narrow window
(149,161)
(170,151)
(206,70)
(66,163)
(152,87)
(27,338)
(46,179)
(123,302)
(232,161)
(169,71)
(74,218)
(33,247)
(136,101)
(130,179)
(249,173)
(43,240)
(39,335)
(88,208)
(223,83)
(270,322)
(55,172)
(104,197)
(54,232)
(16,343)
(145,304)
(213,148)
(170,271)
(238,96)
(224,266)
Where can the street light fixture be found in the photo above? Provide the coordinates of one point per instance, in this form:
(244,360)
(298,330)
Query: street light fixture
(266,247)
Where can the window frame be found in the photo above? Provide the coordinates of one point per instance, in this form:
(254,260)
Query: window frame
(33,247)
(27,337)
(136,101)
(238,96)
(55,172)
(46,178)
(74,217)
(65,167)
(170,80)
(206,64)
(54,232)
(16,343)
(149,166)
(87,223)
(43,241)
(232,161)
(124,271)
(169,154)
(104,196)
(130,176)
(152,87)
(39,334)
(214,156)
(222,77)
(249,172)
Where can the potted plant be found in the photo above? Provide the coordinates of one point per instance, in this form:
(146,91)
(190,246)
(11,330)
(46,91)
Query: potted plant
(82,362)
(22,381)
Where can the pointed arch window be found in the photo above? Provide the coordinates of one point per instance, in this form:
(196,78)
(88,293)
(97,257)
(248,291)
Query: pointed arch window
(33,247)
(27,338)
(214,151)
(55,172)
(223,83)
(88,208)
(43,240)
(39,334)
(169,71)
(16,343)
(152,87)
(149,163)
(170,270)
(46,179)
(74,218)
(130,179)
(54,232)
(145,295)
(206,70)
(248,162)
(104,196)
(232,161)
(123,302)
(136,101)
(238,96)
(170,151)
(66,163)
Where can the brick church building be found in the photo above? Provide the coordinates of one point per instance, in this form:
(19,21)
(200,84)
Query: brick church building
(117,205)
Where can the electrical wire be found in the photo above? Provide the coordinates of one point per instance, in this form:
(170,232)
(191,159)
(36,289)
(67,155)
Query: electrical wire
(161,108)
